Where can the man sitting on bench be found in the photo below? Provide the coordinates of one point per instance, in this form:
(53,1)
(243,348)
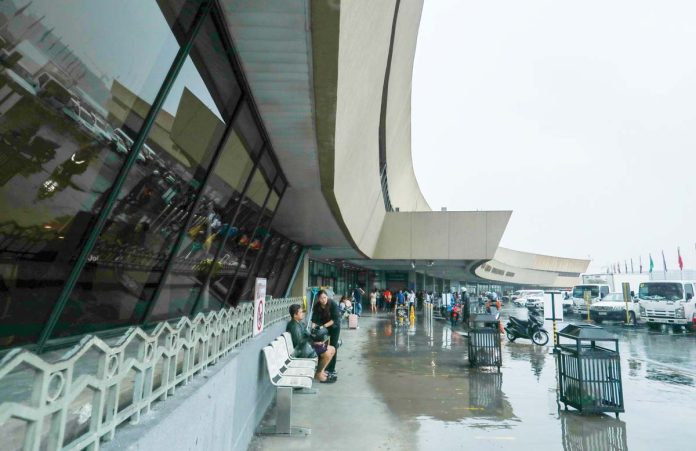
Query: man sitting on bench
(305,348)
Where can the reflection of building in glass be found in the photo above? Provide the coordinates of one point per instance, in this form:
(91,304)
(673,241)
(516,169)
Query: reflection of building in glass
(190,226)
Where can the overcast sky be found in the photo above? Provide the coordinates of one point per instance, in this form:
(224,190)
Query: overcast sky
(578,116)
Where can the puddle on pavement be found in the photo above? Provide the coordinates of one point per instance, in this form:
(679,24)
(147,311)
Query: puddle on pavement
(424,378)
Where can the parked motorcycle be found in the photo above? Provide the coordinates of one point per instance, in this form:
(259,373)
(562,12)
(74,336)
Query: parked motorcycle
(532,329)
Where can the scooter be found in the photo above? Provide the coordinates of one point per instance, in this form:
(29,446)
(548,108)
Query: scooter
(533,329)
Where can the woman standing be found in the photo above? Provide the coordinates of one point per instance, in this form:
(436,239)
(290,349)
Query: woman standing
(326,314)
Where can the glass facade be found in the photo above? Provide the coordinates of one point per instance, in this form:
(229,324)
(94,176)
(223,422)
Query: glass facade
(136,180)
(340,278)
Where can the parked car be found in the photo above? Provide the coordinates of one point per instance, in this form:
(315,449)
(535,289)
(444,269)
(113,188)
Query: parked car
(86,120)
(521,296)
(535,300)
(122,144)
(612,307)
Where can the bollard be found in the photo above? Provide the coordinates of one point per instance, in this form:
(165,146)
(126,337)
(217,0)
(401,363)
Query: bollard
(587,295)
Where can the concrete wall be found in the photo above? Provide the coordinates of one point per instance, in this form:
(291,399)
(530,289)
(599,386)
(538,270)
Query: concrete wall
(218,410)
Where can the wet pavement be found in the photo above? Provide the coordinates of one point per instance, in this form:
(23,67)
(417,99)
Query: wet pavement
(414,390)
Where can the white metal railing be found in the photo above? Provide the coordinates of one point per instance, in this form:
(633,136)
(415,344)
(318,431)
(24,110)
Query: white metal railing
(78,400)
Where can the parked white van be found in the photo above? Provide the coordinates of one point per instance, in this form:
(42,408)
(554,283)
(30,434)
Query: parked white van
(667,302)
(597,292)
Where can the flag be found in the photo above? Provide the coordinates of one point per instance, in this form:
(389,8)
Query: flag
(640,264)
(664,262)
(625,267)
(652,265)
(681,262)
(23,8)
(632,265)
(46,34)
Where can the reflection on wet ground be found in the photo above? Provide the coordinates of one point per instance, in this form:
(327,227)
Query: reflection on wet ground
(402,389)
(424,378)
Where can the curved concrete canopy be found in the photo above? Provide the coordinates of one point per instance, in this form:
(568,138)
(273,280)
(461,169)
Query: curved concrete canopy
(317,71)
(325,74)
(274,43)
(524,268)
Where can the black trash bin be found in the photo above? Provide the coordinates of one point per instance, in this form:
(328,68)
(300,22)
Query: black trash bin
(484,341)
(589,369)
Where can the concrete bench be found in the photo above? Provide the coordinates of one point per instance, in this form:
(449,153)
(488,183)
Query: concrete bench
(286,378)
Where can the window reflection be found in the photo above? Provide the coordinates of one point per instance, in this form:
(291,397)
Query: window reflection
(285,271)
(157,200)
(64,131)
(77,80)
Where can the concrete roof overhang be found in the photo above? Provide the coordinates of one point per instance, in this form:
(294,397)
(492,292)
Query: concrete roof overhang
(316,69)
(274,43)
(525,268)
(301,84)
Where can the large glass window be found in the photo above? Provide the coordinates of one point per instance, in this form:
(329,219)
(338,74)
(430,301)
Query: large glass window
(76,79)
(159,207)
(284,271)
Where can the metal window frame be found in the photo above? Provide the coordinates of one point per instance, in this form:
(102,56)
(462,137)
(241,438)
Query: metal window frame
(172,74)
(206,9)
(251,268)
(256,263)
(231,222)
(229,129)
(298,264)
(276,262)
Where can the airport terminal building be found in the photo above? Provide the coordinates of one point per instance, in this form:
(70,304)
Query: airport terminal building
(158,156)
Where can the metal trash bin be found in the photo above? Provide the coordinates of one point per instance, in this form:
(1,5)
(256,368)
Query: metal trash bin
(589,375)
(484,342)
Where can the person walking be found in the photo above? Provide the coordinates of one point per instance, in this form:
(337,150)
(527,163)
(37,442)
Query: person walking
(388,299)
(466,306)
(358,293)
(373,301)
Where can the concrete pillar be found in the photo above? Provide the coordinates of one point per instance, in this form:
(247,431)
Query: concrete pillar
(301,282)
(412,279)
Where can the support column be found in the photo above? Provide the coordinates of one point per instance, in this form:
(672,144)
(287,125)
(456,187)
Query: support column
(299,286)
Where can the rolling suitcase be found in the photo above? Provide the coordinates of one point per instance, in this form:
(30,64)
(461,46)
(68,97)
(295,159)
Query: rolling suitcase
(352,321)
